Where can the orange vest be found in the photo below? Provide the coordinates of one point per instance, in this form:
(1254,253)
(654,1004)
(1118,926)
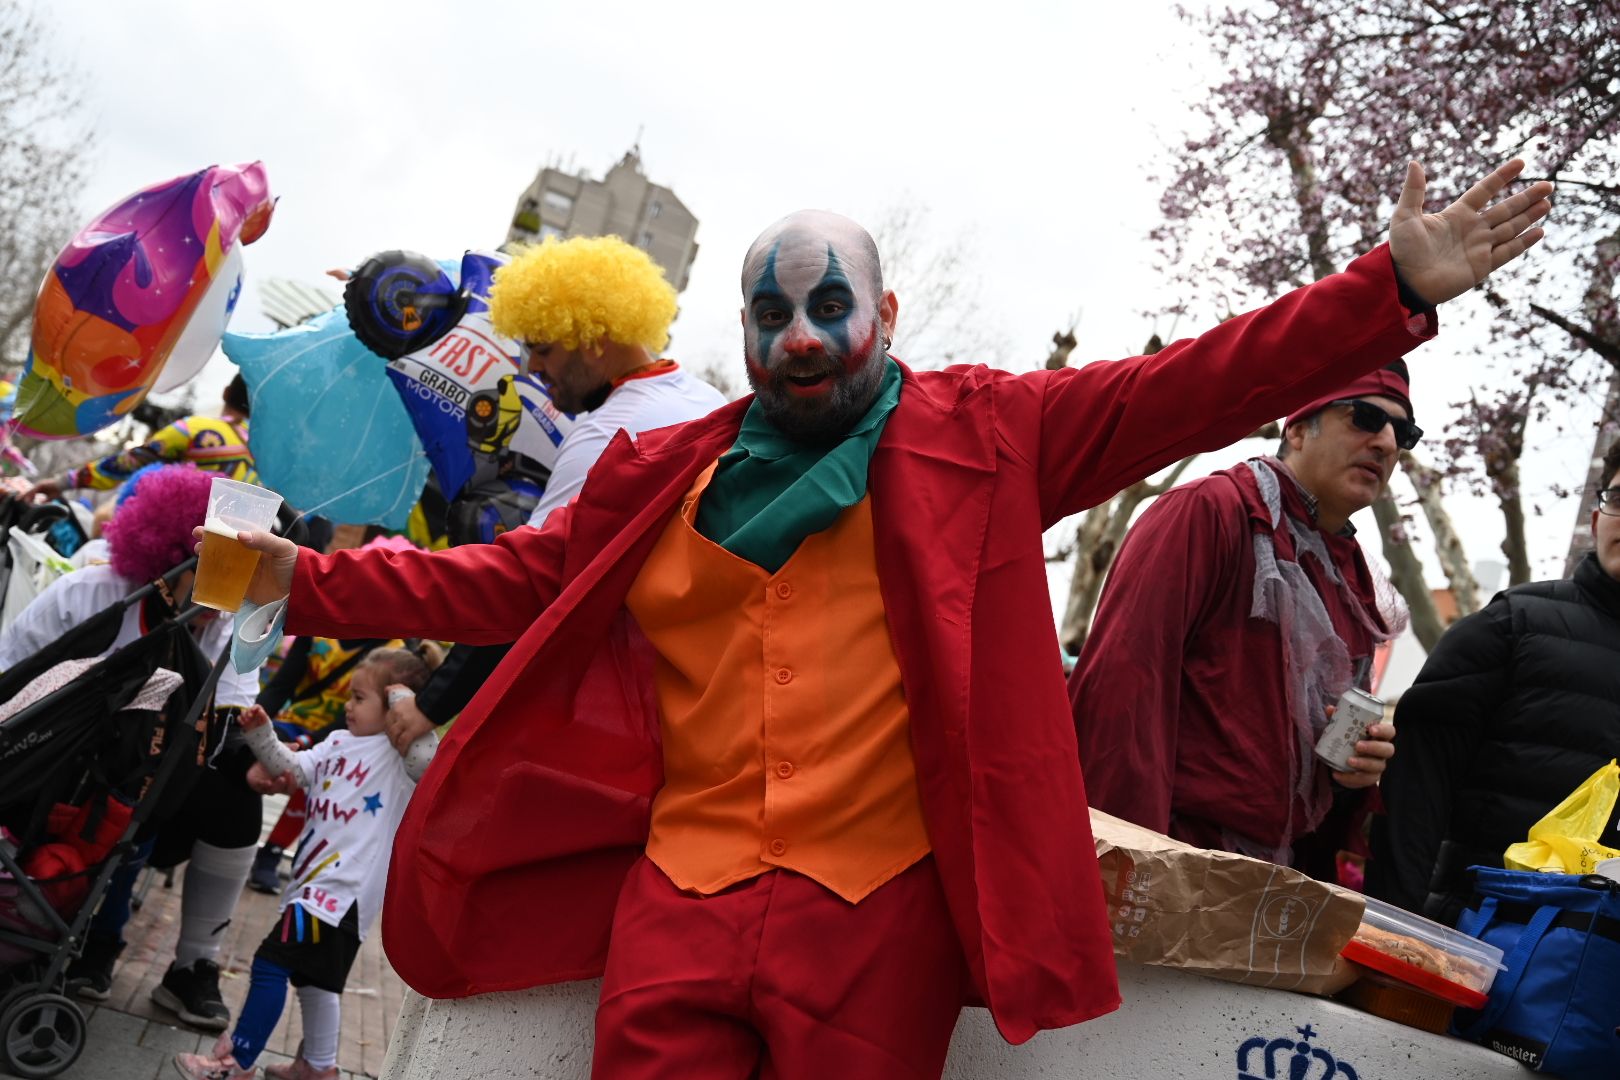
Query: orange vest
(785,733)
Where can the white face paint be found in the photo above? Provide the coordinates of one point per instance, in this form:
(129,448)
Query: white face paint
(812,326)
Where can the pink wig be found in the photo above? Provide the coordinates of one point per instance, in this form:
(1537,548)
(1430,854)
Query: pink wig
(151,531)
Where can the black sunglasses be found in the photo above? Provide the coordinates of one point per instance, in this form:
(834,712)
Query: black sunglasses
(1371,419)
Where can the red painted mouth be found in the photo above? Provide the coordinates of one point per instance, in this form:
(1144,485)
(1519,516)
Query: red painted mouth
(808,385)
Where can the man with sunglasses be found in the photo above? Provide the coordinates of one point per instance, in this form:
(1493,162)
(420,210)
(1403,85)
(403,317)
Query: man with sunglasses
(1515,707)
(1239,608)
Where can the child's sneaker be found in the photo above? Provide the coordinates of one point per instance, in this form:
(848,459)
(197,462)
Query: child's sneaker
(201,1067)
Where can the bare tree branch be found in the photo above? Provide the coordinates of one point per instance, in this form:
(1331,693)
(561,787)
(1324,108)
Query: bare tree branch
(44,151)
(1609,350)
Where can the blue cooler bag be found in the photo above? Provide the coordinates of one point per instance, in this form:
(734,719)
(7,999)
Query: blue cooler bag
(1555,1006)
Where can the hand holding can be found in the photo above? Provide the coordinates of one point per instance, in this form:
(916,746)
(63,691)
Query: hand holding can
(1355,712)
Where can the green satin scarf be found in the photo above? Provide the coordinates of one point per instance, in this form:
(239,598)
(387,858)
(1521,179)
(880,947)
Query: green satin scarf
(769,492)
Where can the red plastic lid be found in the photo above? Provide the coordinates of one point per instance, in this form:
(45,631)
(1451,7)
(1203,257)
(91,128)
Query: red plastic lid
(1414,976)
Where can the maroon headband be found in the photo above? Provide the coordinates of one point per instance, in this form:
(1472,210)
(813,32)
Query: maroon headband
(1391,382)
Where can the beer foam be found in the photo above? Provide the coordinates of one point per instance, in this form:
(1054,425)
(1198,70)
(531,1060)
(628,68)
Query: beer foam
(218,527)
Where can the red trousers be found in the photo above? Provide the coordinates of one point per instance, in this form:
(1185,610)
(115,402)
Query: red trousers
(779,978)
(291,823)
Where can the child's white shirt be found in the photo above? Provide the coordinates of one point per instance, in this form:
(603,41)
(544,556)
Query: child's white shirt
(357,787)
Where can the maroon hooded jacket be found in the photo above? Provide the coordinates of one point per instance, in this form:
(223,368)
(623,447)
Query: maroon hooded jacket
(511,855)
(1179,698)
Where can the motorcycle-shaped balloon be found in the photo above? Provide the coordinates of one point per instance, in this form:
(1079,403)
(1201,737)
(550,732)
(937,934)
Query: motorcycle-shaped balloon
(491,433)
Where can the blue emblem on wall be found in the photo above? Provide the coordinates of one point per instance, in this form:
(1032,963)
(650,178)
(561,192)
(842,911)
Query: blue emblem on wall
(1260,1058)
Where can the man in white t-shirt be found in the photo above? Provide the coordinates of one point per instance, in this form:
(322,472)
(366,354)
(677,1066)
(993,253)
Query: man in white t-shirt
(592,313)
(653,394)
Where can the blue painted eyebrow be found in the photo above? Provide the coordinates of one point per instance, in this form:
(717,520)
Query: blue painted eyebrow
(767,286)
(834,274)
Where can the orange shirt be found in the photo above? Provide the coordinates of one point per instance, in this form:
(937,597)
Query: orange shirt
(785,733)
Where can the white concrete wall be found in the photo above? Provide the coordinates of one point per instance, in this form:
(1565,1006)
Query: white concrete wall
(1173,1025)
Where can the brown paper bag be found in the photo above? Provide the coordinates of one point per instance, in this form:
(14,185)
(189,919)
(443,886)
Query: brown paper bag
(1224,915)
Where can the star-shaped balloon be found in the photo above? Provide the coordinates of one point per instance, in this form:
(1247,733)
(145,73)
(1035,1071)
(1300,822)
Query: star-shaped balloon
(329,431)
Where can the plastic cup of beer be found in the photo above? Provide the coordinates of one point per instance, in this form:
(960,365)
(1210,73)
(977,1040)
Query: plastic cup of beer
(225,566)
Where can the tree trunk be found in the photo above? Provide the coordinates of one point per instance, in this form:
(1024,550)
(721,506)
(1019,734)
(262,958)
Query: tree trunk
(1599,301)
(1448,545)
(1290,136)
(1096,544)
(1407,573)
(1063,343)
(13,324)
(1091,563)
(1514,546)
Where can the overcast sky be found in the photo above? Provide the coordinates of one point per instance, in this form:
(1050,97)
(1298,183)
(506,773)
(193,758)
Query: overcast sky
(1029,128)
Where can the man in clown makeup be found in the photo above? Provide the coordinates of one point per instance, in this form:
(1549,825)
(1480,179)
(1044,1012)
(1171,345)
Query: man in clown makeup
(783,749)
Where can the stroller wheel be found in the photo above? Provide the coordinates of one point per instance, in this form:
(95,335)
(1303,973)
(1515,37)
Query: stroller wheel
(15,993)
(41,1035)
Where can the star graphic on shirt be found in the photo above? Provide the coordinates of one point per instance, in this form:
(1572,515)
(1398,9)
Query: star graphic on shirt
(373,803)
(326,785)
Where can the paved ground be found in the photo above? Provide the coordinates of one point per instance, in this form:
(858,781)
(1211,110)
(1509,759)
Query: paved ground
(130,1038)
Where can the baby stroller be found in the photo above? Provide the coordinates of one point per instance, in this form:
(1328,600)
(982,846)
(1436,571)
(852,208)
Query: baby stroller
(99,755)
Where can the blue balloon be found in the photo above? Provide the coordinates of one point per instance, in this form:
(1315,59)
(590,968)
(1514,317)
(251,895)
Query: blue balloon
(329,432)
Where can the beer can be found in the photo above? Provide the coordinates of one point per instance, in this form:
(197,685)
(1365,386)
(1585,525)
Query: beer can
(1356,712)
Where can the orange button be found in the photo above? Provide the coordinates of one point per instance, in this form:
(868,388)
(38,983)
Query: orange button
(783,590)
(778,847)
(784,769)
(784,676)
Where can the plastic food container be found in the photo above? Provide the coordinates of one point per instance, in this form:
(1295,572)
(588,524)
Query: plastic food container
(1384,997)
(1425,955)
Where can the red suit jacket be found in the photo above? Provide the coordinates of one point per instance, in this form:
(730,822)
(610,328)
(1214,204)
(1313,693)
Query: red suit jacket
(510,859)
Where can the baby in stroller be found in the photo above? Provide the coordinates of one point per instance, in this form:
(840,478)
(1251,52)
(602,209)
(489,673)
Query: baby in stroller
(217,824)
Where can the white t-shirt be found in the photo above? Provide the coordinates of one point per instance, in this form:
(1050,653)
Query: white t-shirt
(641,404)
(357,789)
(79,594)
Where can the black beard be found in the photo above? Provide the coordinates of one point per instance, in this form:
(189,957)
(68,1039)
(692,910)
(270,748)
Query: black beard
(596,398)
(819,422)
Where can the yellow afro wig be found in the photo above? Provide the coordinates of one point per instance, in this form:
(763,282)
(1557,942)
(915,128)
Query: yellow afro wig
(577,292)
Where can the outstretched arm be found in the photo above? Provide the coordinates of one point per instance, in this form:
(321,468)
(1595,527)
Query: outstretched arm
(270,751)
(481,594)
(1094,430)
(166,444)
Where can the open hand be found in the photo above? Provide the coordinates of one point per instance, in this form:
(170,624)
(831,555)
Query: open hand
(1371,757)
(1444,255)
(272,579)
